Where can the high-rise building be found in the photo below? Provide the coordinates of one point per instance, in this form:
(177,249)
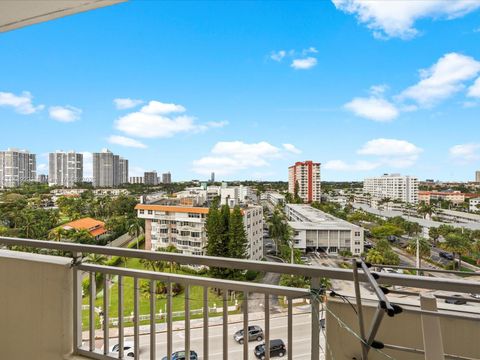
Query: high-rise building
(65,168)
(42,179)
(17,167)
(166,178)
(477,176)
(109,170)
(212,178)
(393,187)
(305,175)
(136,180)
(150,178)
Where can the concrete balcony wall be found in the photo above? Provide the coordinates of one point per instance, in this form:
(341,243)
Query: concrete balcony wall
(460,337)
(36,306)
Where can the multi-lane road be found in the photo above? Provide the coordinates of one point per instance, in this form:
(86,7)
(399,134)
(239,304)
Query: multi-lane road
(278,330)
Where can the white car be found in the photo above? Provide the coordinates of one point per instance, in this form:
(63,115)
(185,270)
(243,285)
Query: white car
(128,349)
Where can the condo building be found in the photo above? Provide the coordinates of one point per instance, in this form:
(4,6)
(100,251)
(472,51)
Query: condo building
(477,176)
(150,178)
(65,168)
(315,230)
(167,178)
(393,187)
(183,225)
(136,180)
(109,170)
(17,167)
(305,175)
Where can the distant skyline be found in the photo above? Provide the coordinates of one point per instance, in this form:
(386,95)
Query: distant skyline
(246,89)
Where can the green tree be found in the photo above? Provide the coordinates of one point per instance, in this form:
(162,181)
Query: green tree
(434,234)
(384,231)
(135,227)
(237,244)
(374,257)
(426,210)
(457,244)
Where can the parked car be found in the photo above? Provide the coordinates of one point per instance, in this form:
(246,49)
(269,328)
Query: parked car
(180,355)
(255,333)
(456,300)
(445,255)
(475,296)
(277,348)
(128,349)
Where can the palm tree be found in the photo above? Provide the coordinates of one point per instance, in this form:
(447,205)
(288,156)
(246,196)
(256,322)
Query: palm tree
(97,259)
(457,244)
(276,227)
(56,233)
(135,227)
(425,209)
(434,234)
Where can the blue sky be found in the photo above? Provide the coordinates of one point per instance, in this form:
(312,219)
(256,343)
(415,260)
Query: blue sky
(247,88)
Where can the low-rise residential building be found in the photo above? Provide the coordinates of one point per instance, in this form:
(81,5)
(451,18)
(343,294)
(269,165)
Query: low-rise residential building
(275,199)
(393,187)
(96,228)
(455,197)
(319,231)
(184,226)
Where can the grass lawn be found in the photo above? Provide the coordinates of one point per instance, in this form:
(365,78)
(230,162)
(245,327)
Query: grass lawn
(178,302)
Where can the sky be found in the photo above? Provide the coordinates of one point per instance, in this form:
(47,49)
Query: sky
(246,89)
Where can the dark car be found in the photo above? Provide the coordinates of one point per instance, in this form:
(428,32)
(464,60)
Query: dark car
(180,355)
(456,300)
(445,255)
(255,333)
(277,348)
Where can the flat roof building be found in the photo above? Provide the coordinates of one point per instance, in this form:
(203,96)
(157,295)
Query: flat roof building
(393,187)
(319,231)
(305,176)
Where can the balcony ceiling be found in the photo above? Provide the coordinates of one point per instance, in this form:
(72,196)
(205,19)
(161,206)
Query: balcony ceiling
(15,14)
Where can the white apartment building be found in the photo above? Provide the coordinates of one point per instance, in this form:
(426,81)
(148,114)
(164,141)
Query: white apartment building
(275,199)
(184,227)
(319,231)
(109,170)
(474,204)
(65,168)
(307,176)
(16,167)
(392,186)
(136,180)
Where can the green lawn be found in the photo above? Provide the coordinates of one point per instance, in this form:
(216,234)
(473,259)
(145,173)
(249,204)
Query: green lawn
(178,302)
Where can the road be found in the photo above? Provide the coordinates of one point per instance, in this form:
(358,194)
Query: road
(278,330)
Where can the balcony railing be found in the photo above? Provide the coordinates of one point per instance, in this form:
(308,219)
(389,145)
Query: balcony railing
(88,347)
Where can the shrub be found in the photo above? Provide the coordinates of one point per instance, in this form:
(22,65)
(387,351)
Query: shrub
(251,275)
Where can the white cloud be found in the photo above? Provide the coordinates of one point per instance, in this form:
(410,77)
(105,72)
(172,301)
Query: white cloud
(125,141)
(157,107)
(391,153)
(278,55)
(310,50)
(474,90)
(64,113)
(340,165)
(42,168)
(378,90)
(126,103)
(396,18)
(22,103)
(373,108)
(389,147)
(442,80)
(228,157)
(465,153)
(304,64)
(155,120)
(292,148)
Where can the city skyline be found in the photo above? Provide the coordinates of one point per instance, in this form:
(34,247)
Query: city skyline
(359,94)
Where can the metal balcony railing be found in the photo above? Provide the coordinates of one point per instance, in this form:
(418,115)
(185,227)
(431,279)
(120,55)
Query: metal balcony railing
(83,269)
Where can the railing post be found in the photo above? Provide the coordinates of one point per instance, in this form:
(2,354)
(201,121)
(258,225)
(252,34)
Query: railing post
(136,322)
(169,321)
(120,317)
(205,322)
(225,324)
(315,305)
(246,335)
(187,322)
(106,316)
(93,296)
(77,302)
(153,333)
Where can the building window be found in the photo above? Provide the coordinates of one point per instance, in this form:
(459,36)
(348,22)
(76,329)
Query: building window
(150,212)
(142,211)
